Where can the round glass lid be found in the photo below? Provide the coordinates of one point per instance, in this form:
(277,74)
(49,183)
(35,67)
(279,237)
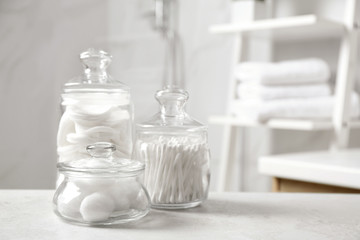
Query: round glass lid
(172,112)
(101,161)
(95,77)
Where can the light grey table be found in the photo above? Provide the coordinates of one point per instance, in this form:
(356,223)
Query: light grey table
(27,214)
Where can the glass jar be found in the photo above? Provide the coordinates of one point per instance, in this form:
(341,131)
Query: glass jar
(101,190)
(97,108)
(175,150)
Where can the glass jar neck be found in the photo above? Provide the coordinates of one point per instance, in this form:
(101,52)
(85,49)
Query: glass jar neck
(95,63)
(172,103)
(96,75)
(173,109)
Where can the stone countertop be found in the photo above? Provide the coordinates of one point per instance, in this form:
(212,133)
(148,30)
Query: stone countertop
(27,214)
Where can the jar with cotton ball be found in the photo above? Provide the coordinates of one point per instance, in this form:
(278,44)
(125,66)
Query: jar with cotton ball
(174,148)
(101,189)
(96,108)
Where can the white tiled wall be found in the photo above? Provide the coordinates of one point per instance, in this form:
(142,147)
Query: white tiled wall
(39,46)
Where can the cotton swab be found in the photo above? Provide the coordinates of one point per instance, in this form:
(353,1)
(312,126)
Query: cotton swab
(176,169)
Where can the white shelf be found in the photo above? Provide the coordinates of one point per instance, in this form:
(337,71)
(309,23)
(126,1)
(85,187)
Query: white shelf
(292,124)
(334,168)
(306,125)
(283,29)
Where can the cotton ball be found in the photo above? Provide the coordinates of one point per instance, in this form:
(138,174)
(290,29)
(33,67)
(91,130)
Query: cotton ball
(71,208)
(131,189)
(68,203)
(121,200)
(91,185)
(125,193)
(97,207)
(141,201)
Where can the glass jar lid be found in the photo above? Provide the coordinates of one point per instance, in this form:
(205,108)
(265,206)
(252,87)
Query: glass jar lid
(172,115)
(101,162)
(95,77)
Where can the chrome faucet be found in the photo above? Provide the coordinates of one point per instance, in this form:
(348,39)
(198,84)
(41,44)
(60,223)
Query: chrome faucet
(166,16)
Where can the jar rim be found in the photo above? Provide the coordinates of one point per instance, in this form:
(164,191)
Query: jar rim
(132,167)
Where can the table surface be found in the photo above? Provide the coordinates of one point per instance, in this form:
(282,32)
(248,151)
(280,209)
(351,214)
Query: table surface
(27,214)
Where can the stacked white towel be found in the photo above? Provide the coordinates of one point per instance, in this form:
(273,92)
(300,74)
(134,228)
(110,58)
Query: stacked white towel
(255,91)
(293,72)
(289,89)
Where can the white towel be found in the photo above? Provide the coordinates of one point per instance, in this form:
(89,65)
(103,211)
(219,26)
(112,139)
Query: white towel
(251,90)
(302,71)
(300,108)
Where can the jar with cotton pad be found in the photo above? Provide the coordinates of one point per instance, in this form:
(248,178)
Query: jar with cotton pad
(101,189)
(175,150)
(97,108)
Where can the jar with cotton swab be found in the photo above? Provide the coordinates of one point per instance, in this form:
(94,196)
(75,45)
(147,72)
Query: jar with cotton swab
(174,148)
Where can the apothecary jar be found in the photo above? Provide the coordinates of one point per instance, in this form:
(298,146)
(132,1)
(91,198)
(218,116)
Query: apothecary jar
(101,189)
(175,149)
(96,108)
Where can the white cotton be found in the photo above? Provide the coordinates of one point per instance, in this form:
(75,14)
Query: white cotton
(121,201)
(82,125)
(124,192)
(65,126)
(132,189)
(97,207)
(69,201)
(95,199)
(91,185)
(70,208)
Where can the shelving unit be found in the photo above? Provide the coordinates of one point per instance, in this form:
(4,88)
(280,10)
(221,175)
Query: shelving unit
(290,124)
(339,168)
(306,27)
(283,29)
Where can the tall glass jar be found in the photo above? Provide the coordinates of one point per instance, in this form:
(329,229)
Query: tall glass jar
(97,108)
(175,150)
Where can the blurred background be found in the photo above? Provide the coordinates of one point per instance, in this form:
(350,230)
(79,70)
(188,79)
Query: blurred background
(41,40)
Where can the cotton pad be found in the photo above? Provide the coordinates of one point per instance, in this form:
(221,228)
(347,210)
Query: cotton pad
(66,126)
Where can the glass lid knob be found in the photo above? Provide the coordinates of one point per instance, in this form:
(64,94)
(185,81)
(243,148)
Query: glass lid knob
(95,63)
(172,102)
(101,149)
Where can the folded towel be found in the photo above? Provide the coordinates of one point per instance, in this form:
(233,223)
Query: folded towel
(253,90)
(302,71)
(300,108)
